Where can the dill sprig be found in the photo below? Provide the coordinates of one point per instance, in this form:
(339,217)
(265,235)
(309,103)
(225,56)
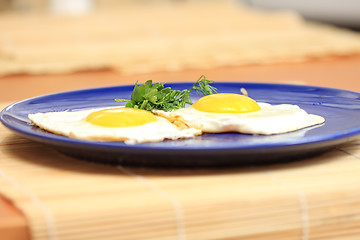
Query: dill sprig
(154,96)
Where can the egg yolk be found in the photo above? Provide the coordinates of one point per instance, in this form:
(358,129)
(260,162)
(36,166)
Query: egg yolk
(120,117)
(226,103)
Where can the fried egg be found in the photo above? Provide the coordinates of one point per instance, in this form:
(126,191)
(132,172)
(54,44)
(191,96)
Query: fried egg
(112,124)
(228,112)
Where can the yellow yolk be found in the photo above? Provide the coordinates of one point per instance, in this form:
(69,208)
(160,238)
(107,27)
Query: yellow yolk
(120,117)
(226,103)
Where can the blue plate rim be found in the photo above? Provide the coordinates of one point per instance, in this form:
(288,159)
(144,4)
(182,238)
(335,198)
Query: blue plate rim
(339,137)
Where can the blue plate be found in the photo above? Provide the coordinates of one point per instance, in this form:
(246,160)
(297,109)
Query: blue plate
(340,108)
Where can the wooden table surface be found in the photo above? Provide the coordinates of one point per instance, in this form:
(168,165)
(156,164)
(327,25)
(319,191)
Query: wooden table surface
(336,72)
(343,73)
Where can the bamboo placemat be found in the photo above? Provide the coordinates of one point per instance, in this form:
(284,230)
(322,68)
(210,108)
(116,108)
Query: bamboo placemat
(69,199)
(146,39)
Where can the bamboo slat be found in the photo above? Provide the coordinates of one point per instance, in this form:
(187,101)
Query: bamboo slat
(69,199)
(145,39)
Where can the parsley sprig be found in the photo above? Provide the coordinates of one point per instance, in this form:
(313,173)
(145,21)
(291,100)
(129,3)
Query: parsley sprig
(149,96)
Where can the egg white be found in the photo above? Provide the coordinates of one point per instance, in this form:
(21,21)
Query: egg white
(270,119)
(74,125)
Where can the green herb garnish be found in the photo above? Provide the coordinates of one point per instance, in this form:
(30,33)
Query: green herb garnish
(149,96)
